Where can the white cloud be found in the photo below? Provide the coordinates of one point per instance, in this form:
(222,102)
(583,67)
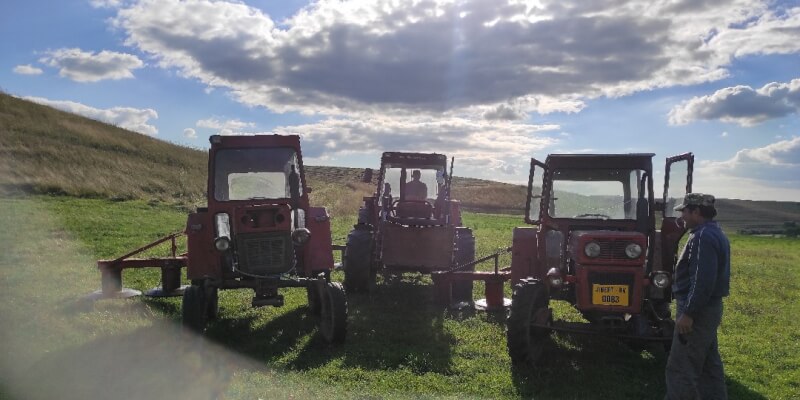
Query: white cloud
(481,147)
(189,133)
(27,70)
(777,164)
(225,127)
(741,104)
(134,119)
(83,66)
(389,57)
(106,3)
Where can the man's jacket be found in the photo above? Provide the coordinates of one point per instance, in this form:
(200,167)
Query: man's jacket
(703,271)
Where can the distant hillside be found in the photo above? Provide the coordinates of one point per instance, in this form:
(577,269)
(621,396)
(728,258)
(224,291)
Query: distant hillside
(46,151)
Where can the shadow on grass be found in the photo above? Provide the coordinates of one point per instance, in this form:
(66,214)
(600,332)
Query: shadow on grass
(577,366)
(396,328)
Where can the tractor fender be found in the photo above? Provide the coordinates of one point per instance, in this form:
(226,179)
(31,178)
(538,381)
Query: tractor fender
(524,254)
(318,252)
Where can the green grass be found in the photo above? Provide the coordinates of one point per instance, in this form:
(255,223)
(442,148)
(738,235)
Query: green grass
(399,344)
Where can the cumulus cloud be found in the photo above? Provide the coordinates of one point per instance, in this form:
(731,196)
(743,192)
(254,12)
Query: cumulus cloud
(443,56)
(741,104)
(134,119)
(27,70)
(85,66)
(777,164)
(480,146)
(106,3)
(189,133)
(224,127)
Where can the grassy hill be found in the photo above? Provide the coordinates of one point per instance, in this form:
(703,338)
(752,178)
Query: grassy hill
(47,151)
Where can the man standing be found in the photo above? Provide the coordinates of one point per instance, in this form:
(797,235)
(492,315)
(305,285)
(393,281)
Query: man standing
(702,278)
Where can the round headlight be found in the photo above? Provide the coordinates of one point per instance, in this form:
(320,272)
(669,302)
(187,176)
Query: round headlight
(301,235)
(661,280)
(555,278)
(633,250)
(222,243)
(592,249)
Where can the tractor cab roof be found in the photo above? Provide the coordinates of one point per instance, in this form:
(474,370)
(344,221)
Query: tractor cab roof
(414,160)
(224,141)
(642,161)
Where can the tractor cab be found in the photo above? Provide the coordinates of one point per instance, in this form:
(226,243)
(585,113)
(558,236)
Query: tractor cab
(413,186)
(596,245)
(259,232)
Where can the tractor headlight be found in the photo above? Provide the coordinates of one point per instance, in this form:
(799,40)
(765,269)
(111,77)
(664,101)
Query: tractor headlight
(301,236)
(222,223)
(222,243)
(592,249)
(555,278)
(633,250)
(661,279)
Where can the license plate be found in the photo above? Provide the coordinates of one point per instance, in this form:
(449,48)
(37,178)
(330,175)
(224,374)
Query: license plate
(610,295)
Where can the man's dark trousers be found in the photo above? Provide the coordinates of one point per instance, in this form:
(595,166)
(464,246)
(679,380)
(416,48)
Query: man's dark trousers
(694,368)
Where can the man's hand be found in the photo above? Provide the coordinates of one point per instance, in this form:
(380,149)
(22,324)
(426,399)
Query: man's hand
(684,324)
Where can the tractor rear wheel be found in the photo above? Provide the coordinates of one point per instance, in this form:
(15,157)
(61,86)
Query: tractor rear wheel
(465,253)
(333,312)
(358,273)
(194,310)
(529,304)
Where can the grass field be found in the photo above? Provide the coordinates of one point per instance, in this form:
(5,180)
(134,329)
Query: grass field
(399,345)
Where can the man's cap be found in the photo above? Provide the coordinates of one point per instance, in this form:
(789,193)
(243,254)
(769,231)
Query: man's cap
(696,199)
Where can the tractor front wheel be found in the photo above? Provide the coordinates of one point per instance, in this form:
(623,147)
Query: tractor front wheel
(333,311)
(358,273)
(212,294)
(529,305)
(194,310)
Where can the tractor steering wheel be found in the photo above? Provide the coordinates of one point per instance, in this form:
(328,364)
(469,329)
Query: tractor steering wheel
(590,215)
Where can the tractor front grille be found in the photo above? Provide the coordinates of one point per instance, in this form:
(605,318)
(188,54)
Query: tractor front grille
(264,253)
(612,249)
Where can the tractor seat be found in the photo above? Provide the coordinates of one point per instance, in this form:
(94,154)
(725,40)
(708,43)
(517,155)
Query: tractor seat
(413,209)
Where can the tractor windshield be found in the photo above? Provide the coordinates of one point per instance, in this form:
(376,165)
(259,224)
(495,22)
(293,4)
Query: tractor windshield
(420,183)
(595,193)
(255,173)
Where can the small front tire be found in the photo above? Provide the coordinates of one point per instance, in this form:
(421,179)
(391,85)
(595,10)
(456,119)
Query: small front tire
(528,304)
(333,312)
(195,308)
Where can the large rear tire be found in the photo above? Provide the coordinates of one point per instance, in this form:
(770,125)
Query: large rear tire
(464,253)
(194,309)
(525,342)
(333,312)
(358,273)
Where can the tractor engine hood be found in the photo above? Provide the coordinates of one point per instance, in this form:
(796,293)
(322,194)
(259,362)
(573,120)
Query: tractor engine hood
(261,218)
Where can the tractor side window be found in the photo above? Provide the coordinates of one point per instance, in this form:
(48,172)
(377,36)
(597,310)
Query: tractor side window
(536,182)
(678,175)
(256,173)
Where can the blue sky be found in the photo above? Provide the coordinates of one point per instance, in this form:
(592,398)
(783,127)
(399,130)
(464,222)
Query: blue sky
(491,82)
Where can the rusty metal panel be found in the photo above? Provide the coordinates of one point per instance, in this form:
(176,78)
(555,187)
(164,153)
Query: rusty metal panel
(524,254)
(422,248)
(203,257)
(319,250)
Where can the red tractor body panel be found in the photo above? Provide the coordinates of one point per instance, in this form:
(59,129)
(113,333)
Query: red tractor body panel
(203,259)
(318,255)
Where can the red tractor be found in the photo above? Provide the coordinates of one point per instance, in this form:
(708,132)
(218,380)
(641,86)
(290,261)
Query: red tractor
(260,233)
(595,245)
(410,224)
